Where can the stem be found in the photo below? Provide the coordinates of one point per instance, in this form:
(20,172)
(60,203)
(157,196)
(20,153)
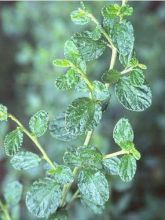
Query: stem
(34,140)
(113,58)
(5,211)
(126,71)
(124,2)
(121,152)
(75,196)
(88,137)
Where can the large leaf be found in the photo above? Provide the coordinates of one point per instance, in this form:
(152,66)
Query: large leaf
(67,81)
(84,156)
(58,129)
(82,115)
(127,168)
(123,134)
(89,48)
(25,160)
(13,141)
(111,165)
(136,77)
(38,123)
(3,113)
(72,53)
(135,98)
(43,198)
(13,192)
(61,174)
(93,186)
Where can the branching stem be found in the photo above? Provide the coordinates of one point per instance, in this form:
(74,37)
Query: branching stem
(5,211)
(34,140)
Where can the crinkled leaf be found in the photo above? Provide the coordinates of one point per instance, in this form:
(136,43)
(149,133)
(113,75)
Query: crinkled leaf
(61,174)
(101,91)
(25,160)
(13,192)
(82,115)
(13,141)
(80,17)
(72,53)
(111,76)
(62,63)
(135,98)
(67,81)
(93,186)
(127,168)
(136,77)
(89,48)
(83,156)
(3,113)
(58,129)
(43,198)
(111,165)
(38,123)
(123,134)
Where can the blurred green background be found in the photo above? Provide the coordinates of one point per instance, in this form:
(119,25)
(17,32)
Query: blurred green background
(32,34)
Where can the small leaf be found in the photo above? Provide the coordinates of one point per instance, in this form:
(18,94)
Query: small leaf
(3,113)
(13,141)
(58,129)
(13,192)
(61,174)
(67,81)
(101,91)
(38,123)
(93,187)
(82,115)
(25,160)
(89,48)
(111,76)
(136,77)
(72,53)
(43,198)
(80,17)
(134,98)
(84,157)
(127,168)
(126,10)
(62,63)
(123,134)
(135,153)
(111,165)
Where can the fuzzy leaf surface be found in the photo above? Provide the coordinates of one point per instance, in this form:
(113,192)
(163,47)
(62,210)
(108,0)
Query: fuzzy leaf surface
(111,165)
(3,113)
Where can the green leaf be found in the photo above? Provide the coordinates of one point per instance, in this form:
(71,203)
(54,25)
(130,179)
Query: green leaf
(111,165)
(93,187)
(25,160)
(58,129)
(62,63)
(13,192)
(101,91)
(59,215)
(38,123)
(83,157)
(136,77)
(135,153)
(3,113)
(97,209)
(89,48)
(43,198)
(126,10)
(80,17)
(61,174)
(82,115)
(111,76)
(67,81)
(13,141)
(134,98)
(123,134)
(72,53)
(127,168)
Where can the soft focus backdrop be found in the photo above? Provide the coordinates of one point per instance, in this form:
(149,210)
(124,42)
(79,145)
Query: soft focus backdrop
(32,34)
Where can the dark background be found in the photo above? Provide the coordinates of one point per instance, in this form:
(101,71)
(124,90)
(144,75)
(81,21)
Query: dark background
(32,34)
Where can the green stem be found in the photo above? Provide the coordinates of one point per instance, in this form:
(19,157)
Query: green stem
(88,137)
(113,58)
(121,152)
(126,71)
(5,211)
(124,2)
(34,140)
